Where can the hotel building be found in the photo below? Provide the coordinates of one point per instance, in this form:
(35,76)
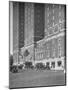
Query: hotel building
(40,30)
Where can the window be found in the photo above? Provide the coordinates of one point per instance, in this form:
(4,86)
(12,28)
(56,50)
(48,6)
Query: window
(59,63)
(59,47)
(53,64)
(47,63)
(56,29)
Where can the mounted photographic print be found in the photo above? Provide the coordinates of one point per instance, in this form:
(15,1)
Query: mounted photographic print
(37,56)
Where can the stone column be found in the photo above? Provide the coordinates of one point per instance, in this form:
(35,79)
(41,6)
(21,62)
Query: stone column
(29,29)
(15,31)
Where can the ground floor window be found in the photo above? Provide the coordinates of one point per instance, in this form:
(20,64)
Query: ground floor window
(53,64)
(59,63)
(47,63)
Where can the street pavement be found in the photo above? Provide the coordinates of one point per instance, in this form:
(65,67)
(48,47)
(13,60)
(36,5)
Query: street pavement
(33,78)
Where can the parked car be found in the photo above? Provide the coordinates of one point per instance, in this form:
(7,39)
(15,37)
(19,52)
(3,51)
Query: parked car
(14,69)
(29,65)
(20,66)
(40,66)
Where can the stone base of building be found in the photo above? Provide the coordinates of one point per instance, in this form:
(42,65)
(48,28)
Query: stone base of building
(54,64)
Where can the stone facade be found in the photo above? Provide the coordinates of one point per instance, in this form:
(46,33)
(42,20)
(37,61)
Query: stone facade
(15,32)
(29,24)
(43,24)
(50,49)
